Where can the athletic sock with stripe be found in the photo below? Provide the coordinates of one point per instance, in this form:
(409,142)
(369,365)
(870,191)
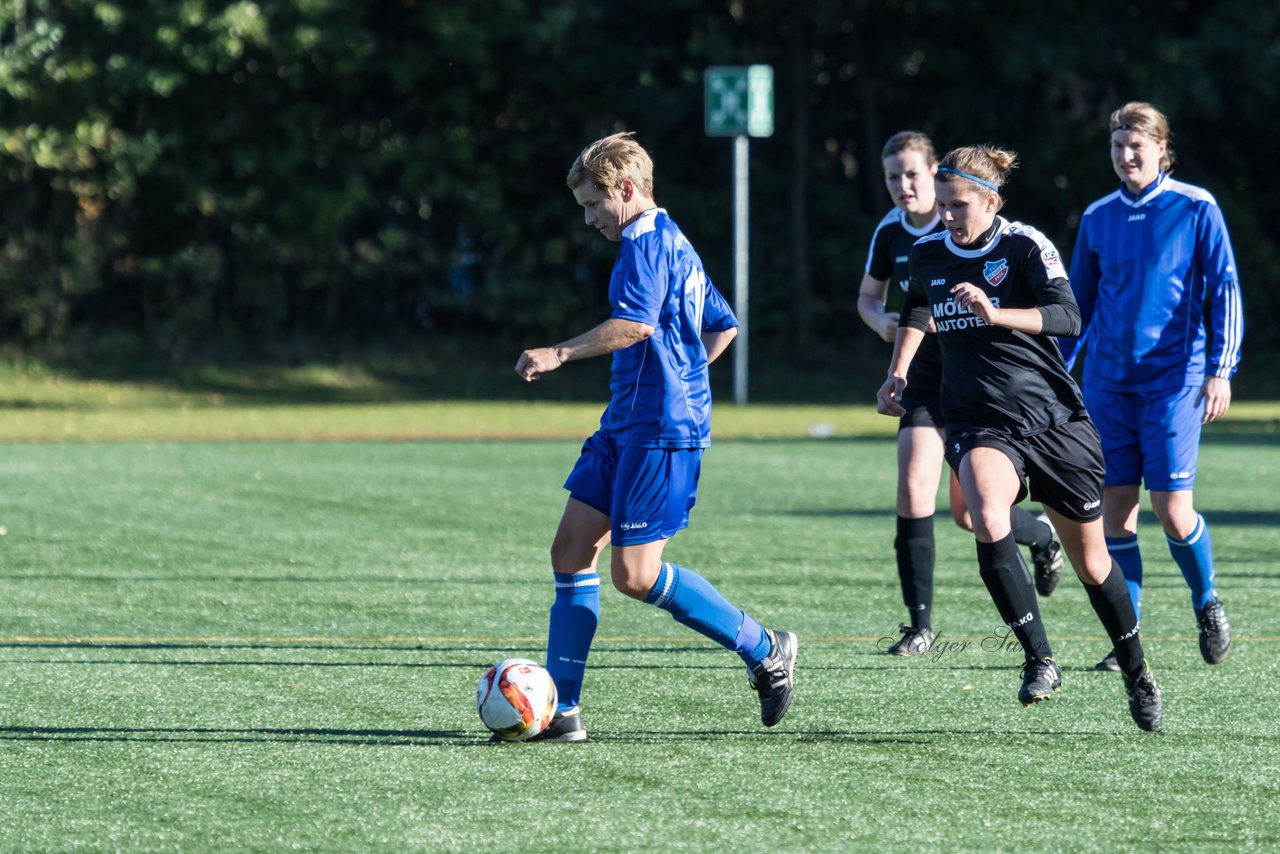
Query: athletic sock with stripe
(696,603)
(574,616)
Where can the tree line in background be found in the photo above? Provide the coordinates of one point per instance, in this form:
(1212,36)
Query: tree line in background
(198,179)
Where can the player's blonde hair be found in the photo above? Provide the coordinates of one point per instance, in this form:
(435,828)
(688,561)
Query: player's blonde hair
(986,163)
(1141,117)
(910,140)
(607,162)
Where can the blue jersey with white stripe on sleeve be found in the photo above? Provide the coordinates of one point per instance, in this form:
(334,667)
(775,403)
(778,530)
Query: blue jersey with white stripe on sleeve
(661,387)
(1143,269)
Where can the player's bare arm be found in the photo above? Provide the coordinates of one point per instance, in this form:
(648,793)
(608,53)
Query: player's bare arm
(872,296)
(613,334)
(1216,393)
(717,342)
(905,345)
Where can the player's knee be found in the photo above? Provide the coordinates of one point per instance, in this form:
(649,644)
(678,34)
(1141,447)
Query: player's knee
(1177,515)
(630,583)
(633,578)
(990,528)
(568,556)
(1094,570)
(962,520)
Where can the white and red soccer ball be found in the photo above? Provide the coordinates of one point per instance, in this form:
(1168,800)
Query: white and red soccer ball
(516,699)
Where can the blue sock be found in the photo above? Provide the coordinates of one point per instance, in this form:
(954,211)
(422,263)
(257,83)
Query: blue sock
(1124,551)
(1194,556)
(694,602)
(574,615)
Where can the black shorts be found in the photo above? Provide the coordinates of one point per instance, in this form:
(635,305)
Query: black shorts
(922,397)
(1063,465)
(923,410)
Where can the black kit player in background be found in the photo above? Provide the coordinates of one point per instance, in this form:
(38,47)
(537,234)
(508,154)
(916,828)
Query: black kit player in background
(996,292)
(909,162)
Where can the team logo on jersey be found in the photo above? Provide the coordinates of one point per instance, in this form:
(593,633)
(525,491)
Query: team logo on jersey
(995,271)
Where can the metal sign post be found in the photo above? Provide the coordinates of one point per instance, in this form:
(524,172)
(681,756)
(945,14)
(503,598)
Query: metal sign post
(739,103)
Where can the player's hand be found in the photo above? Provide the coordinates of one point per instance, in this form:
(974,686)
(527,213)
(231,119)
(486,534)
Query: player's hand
(889,326)
(889,397)
(534,363)
(974,298)
(1216,394)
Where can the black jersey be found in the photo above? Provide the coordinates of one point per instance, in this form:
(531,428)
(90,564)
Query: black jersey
(993,376)
(888,261)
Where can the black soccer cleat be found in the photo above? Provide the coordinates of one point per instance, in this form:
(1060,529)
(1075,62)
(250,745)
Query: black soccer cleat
(1109,662)
(1040,678)
(1215,633)
(565,728)
(774,679)
(1145,704)
(1048,561)
(913,642)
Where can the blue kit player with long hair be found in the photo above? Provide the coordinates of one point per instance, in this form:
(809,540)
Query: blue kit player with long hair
(1147,260)
(637,477)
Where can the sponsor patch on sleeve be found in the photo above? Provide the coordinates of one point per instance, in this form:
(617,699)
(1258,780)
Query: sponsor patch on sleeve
(1052,264)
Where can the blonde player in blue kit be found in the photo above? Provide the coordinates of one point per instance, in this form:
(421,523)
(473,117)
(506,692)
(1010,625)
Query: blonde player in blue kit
(637,477)
(1148,258)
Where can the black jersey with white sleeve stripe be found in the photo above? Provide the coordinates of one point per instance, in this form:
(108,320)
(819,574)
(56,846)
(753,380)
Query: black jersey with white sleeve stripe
(993,376)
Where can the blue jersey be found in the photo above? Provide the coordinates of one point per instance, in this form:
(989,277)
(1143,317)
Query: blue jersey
(661,388)
(1143,269)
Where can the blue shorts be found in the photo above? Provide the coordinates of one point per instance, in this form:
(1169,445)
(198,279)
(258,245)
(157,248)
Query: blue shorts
(647,493)
(1149,438)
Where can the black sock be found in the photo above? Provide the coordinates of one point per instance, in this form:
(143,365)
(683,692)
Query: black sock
(915,549)
(1111,602)
(1027,529)
(1001,568)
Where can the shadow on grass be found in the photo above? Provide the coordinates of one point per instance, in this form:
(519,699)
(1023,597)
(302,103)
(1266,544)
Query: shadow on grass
(476,665)
(946,661)
(465,738)
(276,579)
(38,406)
(1244,431)
(122,662)
(185,735)
(441,368)
(1243,518)
(413,364)
(253,645)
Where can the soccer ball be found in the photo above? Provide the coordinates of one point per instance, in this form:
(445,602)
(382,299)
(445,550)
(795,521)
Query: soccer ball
(516,699)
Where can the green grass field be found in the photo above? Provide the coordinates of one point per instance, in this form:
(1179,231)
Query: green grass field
(264,645)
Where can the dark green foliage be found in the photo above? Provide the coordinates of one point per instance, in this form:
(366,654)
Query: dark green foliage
(212,178)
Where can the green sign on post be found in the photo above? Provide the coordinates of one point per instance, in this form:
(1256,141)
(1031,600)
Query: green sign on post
(739,103)
(738,100)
